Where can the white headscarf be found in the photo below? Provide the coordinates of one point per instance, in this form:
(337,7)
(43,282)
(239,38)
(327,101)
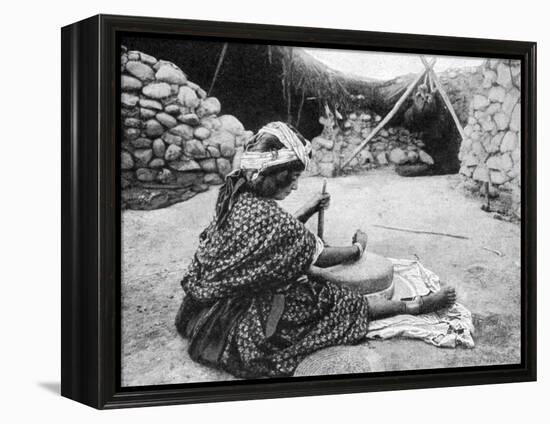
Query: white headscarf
(294,149)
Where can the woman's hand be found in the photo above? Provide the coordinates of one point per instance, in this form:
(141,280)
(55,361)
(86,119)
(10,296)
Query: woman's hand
(360,237)
(318,202)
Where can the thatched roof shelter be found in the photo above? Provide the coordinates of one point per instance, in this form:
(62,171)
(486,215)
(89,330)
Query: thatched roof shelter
(318,81)
(260,83)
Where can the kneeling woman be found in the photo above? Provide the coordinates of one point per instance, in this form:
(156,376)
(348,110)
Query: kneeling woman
(257,299)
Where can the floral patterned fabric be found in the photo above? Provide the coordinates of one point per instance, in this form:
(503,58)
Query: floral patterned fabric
(248,307)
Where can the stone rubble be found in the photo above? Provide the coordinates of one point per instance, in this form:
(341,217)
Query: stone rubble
(392,146)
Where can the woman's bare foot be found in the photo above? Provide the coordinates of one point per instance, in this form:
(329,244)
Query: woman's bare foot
(432,302)
(435,301)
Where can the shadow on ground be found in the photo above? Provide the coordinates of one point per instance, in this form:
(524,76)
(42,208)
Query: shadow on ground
(51,386)
(157,246)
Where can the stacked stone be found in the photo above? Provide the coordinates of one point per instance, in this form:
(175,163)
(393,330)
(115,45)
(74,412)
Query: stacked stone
(391,146)
(461,84)
(172,132)
(490,153)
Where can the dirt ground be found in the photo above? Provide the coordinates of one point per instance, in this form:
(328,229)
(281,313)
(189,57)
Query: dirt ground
(157,246)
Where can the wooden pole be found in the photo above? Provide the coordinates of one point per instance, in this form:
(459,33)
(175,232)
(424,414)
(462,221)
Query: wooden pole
(387,118)
(321,216)
(413,230)
(218,66)
(288,87)
(441,90)
(432,86)
(300,109)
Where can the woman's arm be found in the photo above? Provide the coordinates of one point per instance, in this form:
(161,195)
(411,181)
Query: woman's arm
(331,255)
(315,204)
(303,214)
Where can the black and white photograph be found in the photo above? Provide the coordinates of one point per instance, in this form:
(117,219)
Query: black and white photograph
(292,211)
(275,212)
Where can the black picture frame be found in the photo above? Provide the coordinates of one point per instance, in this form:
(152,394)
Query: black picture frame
(91,242)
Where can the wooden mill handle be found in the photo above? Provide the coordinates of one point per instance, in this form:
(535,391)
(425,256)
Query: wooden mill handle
(321,217)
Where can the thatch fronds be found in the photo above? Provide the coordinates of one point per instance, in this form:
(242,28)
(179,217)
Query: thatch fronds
(316,81)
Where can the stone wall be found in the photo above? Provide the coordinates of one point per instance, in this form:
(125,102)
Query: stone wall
(172,132)
(490,153)
(461,84)
(394,145)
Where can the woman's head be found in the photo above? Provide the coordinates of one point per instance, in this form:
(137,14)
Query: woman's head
(270,167)
(276,181)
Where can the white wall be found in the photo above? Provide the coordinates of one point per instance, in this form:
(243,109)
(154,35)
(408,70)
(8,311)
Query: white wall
(30,225)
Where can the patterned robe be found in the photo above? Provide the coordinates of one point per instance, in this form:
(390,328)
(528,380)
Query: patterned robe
(248,307)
